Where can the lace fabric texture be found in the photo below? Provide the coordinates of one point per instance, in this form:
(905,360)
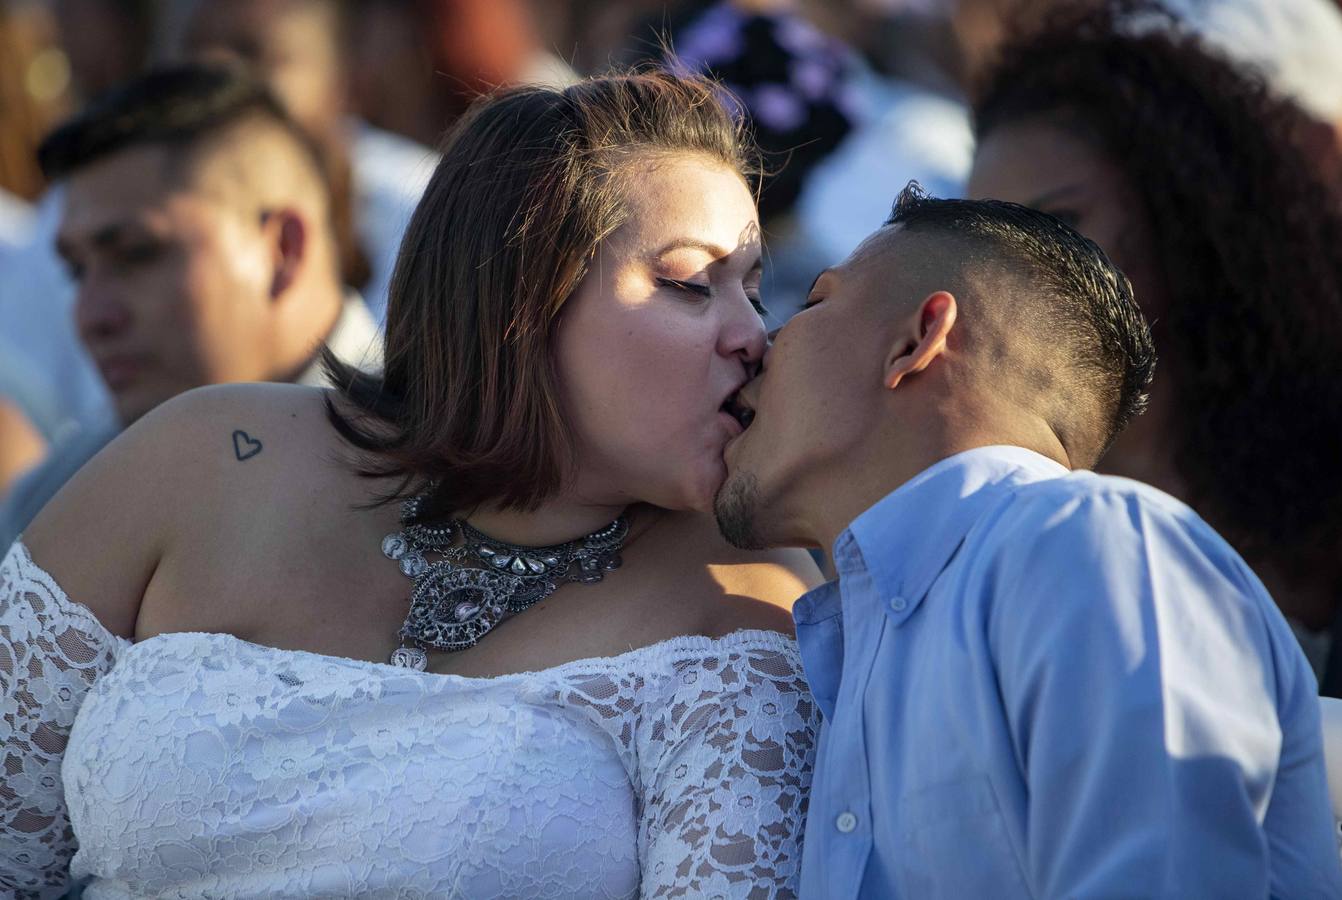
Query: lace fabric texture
(51,652)
(200,765)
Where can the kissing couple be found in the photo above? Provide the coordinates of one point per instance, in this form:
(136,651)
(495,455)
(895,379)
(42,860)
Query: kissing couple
(466,627)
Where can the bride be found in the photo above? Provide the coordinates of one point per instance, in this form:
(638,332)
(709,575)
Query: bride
(461,629)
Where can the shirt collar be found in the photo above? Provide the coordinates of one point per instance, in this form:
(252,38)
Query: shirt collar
(906,539)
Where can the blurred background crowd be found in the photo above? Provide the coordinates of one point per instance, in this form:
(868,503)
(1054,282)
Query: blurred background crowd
(1196,141)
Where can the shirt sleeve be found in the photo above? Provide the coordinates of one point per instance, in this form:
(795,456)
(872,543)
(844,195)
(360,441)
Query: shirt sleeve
(1154,709)
(725,766)
(51,652)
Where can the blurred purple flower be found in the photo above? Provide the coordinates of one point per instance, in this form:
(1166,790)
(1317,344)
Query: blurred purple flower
(714,37)
(778,108)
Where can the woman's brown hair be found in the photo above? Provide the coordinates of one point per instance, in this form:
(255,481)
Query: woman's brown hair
(527,188)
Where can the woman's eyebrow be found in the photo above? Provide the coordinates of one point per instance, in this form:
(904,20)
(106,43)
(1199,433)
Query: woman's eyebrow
(719,253)
(711,249)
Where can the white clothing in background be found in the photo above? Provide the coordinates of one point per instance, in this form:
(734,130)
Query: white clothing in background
(390,173)
(37,315)
(911,134)
(1296,44)
(16,221)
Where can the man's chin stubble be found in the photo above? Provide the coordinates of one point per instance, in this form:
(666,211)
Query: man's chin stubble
(735,507)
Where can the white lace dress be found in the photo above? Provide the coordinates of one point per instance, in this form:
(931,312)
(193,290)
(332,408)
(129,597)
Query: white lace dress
(200,765)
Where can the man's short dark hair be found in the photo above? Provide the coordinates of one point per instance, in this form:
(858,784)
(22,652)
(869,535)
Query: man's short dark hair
(173,105)
(1085,309)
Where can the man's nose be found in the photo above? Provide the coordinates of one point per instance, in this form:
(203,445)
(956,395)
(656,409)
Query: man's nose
(99,311)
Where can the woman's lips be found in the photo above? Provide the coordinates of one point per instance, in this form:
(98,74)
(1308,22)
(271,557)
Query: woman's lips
(733,426)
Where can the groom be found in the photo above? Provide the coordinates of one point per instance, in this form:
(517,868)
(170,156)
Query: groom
(1036,681)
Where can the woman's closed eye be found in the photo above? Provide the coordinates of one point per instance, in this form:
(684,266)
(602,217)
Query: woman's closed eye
(689,287)
(705,291)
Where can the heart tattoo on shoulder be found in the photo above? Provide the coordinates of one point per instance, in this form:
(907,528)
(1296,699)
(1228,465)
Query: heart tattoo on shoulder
(245,446)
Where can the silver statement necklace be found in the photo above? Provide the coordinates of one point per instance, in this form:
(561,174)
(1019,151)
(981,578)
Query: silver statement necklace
(477,583)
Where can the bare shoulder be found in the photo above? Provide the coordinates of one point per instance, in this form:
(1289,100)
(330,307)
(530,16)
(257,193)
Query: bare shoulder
(227,424)
(747,589)
(104,533)
(206,445)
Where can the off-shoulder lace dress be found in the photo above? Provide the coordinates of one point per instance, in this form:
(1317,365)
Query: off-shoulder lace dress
(200,765)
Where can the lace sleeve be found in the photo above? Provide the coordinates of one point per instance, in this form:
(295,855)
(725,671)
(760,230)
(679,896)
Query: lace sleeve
(51,651)
(725,764)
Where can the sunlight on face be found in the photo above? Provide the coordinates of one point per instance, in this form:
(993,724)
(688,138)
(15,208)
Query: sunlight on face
(663,329)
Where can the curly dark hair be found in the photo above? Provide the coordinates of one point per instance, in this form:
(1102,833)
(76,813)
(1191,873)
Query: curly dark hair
(1244,204)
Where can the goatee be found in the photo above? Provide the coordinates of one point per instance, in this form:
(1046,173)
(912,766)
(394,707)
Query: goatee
(735,507)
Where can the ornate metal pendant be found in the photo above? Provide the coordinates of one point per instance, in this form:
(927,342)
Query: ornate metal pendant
(478,583)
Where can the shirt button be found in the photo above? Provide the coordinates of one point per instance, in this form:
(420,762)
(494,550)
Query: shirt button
(845,822)
(898,604)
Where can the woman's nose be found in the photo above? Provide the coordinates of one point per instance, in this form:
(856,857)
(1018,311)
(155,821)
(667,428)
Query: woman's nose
(751,340)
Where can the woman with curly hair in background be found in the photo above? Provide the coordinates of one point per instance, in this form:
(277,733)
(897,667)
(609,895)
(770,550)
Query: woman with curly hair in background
(1223,204)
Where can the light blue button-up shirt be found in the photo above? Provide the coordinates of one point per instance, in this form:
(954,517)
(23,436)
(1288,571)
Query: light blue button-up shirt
(1038,683)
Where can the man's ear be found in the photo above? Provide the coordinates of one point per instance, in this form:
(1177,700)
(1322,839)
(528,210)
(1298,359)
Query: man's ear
(922,340)
(287,232)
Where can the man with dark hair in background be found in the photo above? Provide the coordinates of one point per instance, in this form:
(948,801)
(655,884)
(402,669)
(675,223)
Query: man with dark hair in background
(300,49)
(1036,681)
(197,229)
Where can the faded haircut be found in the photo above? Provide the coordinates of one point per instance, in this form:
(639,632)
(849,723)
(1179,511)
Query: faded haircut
(1083,309)
(181,106)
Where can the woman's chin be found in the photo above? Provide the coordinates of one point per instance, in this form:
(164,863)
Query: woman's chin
(694,492)
(701,498)
(695,501)
(698,496)
(700,505)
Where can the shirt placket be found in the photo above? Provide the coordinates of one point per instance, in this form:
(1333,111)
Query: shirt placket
(847,824)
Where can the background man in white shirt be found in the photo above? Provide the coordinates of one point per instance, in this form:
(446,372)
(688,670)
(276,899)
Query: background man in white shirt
(197,228)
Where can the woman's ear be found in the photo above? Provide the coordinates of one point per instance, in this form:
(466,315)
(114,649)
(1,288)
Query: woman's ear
(922,340)
(287,233)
